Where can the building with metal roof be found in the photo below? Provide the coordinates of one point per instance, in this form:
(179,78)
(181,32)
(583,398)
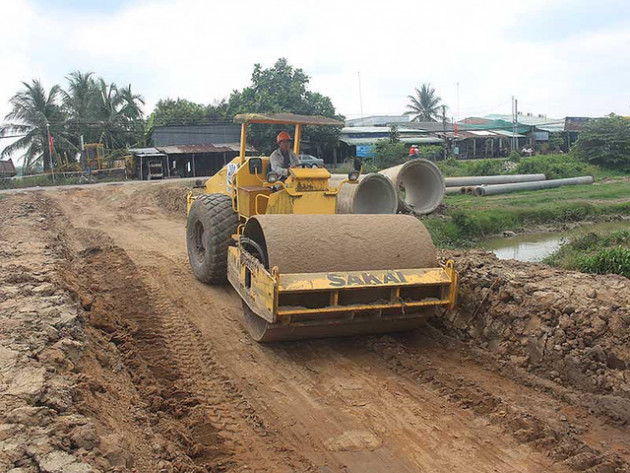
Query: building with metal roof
(189,150)
(378,120)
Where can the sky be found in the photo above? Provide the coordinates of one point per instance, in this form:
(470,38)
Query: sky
(557,57)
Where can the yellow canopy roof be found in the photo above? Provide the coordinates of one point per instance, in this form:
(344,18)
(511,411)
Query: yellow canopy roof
(286,118)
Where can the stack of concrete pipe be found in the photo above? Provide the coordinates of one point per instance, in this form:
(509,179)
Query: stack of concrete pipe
(467,184)
(531,186)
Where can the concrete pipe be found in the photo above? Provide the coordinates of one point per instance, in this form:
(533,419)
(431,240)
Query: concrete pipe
(374,194)
(532,186)
(454,190)
(419,183)
(502,179)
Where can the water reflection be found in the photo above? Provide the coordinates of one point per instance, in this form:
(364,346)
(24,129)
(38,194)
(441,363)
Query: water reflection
(533,247)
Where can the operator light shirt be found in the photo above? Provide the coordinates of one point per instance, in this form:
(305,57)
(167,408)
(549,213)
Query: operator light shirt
(280,164)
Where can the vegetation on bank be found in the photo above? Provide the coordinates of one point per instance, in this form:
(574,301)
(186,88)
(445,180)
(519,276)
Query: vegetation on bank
(466,219)
(595,253)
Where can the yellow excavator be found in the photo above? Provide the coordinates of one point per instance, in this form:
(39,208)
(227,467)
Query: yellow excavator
(301,270)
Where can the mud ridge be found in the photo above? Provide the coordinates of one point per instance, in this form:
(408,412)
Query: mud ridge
(561,445)
(197,418)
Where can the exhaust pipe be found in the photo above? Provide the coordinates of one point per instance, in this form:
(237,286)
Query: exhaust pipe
(373,194)
(420,185)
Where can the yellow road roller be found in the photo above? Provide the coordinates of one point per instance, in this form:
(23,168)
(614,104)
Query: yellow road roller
(301,270)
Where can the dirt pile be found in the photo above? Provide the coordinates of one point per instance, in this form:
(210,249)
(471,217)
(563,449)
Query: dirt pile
(41,340)
(568,327)
(170,198)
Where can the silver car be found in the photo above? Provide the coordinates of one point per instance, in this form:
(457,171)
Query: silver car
(310,161)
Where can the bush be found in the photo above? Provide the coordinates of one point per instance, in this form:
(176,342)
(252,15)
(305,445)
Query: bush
(390,153)
(451,167)
(514,157)
(605,142)
(614,260)
(554,166)
(431,152)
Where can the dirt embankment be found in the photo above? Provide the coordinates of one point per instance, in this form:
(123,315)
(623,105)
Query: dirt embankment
(568,327)
(42,340)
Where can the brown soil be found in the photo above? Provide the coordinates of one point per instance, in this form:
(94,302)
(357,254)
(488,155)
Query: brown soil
(159,375)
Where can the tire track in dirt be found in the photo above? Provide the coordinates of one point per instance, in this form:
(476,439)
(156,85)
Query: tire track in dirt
(562,445)
(196,404)
(321,396)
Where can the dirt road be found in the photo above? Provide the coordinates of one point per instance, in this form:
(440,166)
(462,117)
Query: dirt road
(172,382)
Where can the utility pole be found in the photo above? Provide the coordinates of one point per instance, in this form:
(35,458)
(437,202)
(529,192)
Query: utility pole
(514,124)
(457,100)
(50,151)
(444,131)
(360,94)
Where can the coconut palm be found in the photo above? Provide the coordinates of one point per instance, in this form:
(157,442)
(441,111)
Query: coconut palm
(78,101)
(424,105)
(117,113)
(34,109)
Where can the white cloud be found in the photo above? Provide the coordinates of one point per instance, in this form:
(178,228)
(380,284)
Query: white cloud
(202,50)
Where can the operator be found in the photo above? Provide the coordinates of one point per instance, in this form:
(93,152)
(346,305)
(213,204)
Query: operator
(283,157)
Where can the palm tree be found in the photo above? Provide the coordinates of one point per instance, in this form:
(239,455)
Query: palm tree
(117,112)
(424,105)
(33,110)
(78,101)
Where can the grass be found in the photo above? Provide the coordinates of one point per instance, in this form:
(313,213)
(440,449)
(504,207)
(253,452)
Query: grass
(466,218)
(595,253)
(553,166)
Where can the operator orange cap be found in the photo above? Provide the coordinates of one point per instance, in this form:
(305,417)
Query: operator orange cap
(283,136)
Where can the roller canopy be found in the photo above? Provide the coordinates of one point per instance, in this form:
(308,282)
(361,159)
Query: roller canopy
(327,243)
(286,119)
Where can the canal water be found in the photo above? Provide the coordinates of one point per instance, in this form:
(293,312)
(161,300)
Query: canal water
(534,247)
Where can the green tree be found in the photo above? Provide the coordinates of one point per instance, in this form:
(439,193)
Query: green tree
(78,102)
(390,153)
(605,142)
(118,115)
(33,110)
(424,105)
(178,112)
(283,88)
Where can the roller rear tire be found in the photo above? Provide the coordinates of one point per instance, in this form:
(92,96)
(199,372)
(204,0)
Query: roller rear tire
(211,224)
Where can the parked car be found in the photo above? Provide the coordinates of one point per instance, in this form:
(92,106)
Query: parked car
(311,161)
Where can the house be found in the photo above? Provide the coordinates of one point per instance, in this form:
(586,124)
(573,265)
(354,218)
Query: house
(188,150)
(360,140)
(493,135)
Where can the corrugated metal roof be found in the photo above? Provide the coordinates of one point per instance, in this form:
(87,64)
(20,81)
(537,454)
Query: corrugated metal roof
(542,123)
(353,130)
(195,134)
(144,152)
(463,134)
(431,127)
(204,148)
(409,140)
(376,120)
(285,118)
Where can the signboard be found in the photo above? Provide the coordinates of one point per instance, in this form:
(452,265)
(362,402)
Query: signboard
(541,135)
(366,151)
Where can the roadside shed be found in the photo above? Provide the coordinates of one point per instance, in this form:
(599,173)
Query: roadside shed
(7,168)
